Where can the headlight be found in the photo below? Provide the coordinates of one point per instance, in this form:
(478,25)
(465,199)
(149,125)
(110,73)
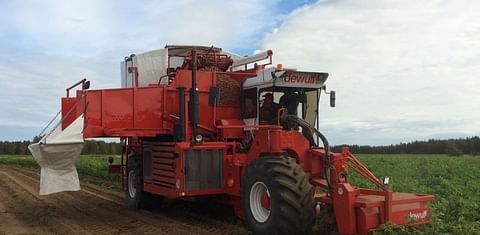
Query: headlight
(340,191)
(198,138)
(386,180)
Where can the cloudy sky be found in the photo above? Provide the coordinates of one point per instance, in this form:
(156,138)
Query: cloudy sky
(403,70)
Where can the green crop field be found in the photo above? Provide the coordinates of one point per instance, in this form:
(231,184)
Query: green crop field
(92,165)
(453,180)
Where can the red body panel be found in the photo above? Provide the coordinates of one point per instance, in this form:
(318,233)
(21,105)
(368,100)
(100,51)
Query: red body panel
(118,112)
(143,111)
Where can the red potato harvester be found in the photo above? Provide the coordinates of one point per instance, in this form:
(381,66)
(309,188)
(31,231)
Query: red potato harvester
(196,121)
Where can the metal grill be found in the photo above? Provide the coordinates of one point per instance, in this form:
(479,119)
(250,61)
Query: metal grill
(203,169)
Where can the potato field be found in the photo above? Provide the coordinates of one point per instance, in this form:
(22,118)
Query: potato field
(453,180)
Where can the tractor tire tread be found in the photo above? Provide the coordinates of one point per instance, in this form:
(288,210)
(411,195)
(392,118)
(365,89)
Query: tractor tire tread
(295,193)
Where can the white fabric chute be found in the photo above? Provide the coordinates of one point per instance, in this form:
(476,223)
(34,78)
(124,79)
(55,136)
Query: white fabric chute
(56,154)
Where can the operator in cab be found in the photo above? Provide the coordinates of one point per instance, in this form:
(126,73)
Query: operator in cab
(269,109)
(290,101)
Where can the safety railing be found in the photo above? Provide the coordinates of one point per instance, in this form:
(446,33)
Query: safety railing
(85,86)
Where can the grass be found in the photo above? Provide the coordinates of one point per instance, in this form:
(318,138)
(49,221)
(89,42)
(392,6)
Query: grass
(91,165)
(453,180)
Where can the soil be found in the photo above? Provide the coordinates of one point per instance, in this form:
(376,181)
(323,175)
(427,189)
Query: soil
(100,210)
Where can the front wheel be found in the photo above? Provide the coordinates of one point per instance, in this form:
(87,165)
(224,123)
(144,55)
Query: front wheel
(277,197)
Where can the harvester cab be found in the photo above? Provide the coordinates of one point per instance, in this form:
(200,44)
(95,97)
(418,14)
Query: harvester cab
(276,92)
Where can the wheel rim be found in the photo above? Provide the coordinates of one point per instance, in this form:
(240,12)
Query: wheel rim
(258,195)
(132,190)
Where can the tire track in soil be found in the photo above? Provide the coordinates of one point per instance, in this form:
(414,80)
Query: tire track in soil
(28,212)
(195,220)
(94,210)
(190,219)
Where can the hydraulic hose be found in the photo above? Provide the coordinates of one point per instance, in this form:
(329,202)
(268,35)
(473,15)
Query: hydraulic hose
(326,146)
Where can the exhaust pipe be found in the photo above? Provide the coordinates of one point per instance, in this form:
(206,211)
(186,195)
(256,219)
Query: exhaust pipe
(194,103)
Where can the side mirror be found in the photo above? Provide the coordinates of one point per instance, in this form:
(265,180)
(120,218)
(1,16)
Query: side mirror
(332,99)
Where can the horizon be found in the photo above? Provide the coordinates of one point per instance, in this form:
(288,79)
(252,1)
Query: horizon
(110,140)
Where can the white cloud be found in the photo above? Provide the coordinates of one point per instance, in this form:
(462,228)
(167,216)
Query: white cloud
(403,70)
(47,46)
(86,27)
(397,66)
(32,86)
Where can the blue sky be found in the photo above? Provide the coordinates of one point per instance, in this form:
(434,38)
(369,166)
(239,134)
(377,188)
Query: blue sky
(403,70)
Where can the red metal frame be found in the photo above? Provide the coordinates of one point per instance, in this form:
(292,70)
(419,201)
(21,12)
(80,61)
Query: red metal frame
(133,114)
(83,81)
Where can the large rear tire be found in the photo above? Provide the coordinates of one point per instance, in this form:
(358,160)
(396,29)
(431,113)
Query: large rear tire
(134,195)
(277,197)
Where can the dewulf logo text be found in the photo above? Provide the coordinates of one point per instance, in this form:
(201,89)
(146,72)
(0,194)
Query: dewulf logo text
(417,216)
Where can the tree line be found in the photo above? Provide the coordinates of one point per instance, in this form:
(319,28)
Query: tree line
(90,147)
(453,147)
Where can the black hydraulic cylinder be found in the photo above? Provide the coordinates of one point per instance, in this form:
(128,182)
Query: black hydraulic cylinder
(179,131)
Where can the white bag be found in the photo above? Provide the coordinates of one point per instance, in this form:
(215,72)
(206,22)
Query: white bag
(56,154)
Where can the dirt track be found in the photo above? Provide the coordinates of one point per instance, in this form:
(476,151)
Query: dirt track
(93,210)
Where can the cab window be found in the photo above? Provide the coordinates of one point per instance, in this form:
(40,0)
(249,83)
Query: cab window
(250,103)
